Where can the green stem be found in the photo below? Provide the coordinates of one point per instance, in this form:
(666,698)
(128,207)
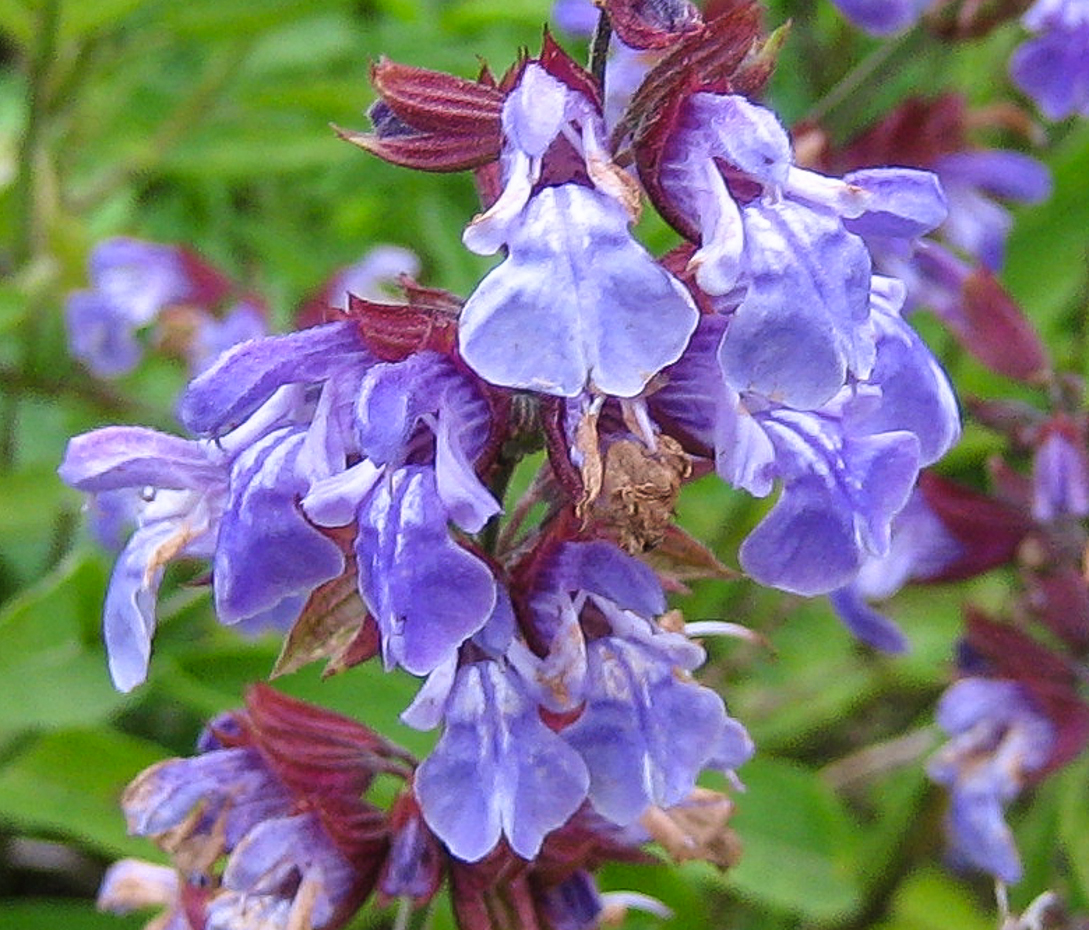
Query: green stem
(28,228)
(838,111)
(599,49)
(26,179)
(503,473)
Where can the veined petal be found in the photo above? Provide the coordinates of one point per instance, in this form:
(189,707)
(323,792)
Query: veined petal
(427,593)
(246,375)
(645,733)
(497,770)
(266,551)
(134,457)
(799,329)
(577,302)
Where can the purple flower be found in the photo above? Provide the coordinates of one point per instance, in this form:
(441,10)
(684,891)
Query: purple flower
(311,418)
(630,733)
(920,547)
(623,317)
(418,425)
(646,729)
(998,740)
(497,770)
(427,593)
(185,489)
(267,821)
(882,17)
(200,500)
(131,283)
(846,466)
(232,499)
(1060,475)
(781,246)
(977,225)
(1053,67)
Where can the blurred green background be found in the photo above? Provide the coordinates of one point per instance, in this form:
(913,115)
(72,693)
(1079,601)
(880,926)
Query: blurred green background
(206,123)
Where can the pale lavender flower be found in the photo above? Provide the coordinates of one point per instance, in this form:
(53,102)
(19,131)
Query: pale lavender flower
(1060,476)
(647,728)
(418,425)
(231,498)
(131,283)
(882,17)
(623,317)
(389,449)
(644,732)
(1053,67)
(847,466)
(782,246)
(998,740)
(497,770)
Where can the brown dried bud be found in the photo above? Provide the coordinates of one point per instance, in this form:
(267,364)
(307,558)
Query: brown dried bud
(639,489)
(696,829)
(332,620)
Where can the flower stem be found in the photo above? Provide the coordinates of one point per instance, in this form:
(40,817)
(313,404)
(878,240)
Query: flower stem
(26,180)
(28,223)
(841,108)
(599,48)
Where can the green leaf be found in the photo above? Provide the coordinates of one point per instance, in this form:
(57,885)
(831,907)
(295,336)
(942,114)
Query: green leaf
(28,498)
(45,914)
(232,18)
(1072,824)
(69,783)
(799,843)
(52,650)
(1048,250)
(932,900)
(79,18)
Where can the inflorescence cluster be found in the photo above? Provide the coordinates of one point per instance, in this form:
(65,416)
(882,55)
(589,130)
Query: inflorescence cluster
(363,460)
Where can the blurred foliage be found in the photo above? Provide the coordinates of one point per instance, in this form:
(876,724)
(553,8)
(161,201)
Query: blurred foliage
(207,123)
